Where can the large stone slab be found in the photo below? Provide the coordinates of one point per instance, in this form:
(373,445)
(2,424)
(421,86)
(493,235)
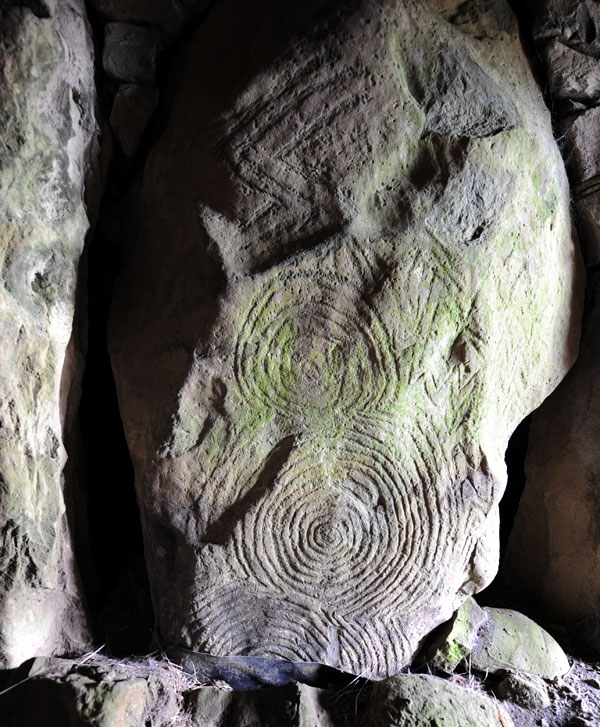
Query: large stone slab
(353,277)
(553,553)
(47,137)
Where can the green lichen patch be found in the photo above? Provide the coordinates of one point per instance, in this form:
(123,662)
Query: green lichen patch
(455,644)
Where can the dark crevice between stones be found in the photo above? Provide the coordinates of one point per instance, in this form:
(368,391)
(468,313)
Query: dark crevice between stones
(514,457)
(37,7)
(525,12)
(115,581)
(515,485)
(118,594)
(111,558)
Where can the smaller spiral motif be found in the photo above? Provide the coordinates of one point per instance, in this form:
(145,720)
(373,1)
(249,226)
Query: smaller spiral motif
(311,346)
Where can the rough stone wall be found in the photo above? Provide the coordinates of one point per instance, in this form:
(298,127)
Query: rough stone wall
(47,149)
(354,275)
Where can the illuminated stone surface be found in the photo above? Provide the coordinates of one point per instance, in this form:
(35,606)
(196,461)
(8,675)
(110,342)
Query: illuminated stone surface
(354,277)
(47,133)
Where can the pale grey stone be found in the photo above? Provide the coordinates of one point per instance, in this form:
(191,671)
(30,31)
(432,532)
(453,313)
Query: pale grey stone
(454,644)
(582,148)
(509,640)
(490,640)
(572,75)
(574,23)
(417,700)
(588,224)
(295,705)
(524,690)
(48,151)
(95,691)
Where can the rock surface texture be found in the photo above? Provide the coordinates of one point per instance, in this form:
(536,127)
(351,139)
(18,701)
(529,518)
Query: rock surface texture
(104,692)
(130,53)
(354,277)
(47,148)
(491,640)
(171,17)
(417,700)
(568,36)
(526,691)
(554,551)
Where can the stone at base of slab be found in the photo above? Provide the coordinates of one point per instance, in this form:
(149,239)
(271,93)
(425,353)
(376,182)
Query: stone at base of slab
(490,640)
(96,691)
(524,690)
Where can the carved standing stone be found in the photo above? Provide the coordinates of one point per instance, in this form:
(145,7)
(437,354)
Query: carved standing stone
(354,276)
(47,146)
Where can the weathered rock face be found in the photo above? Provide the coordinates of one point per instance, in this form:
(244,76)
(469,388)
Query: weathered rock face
(567,33)
(553,550)
(47,133)
(418,700)
(107,693)
(491,640)
(354,277)
(524,690)
(94,692)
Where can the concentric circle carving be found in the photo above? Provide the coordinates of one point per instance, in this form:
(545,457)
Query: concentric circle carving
(325,546)
(341,529)
(312,347)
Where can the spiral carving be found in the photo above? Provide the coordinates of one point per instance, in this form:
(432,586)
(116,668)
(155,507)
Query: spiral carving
(335,538)
(341,529)
(312,347)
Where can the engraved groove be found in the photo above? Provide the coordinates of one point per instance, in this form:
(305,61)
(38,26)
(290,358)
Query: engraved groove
(345,514)
(314,349)
(337,530)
